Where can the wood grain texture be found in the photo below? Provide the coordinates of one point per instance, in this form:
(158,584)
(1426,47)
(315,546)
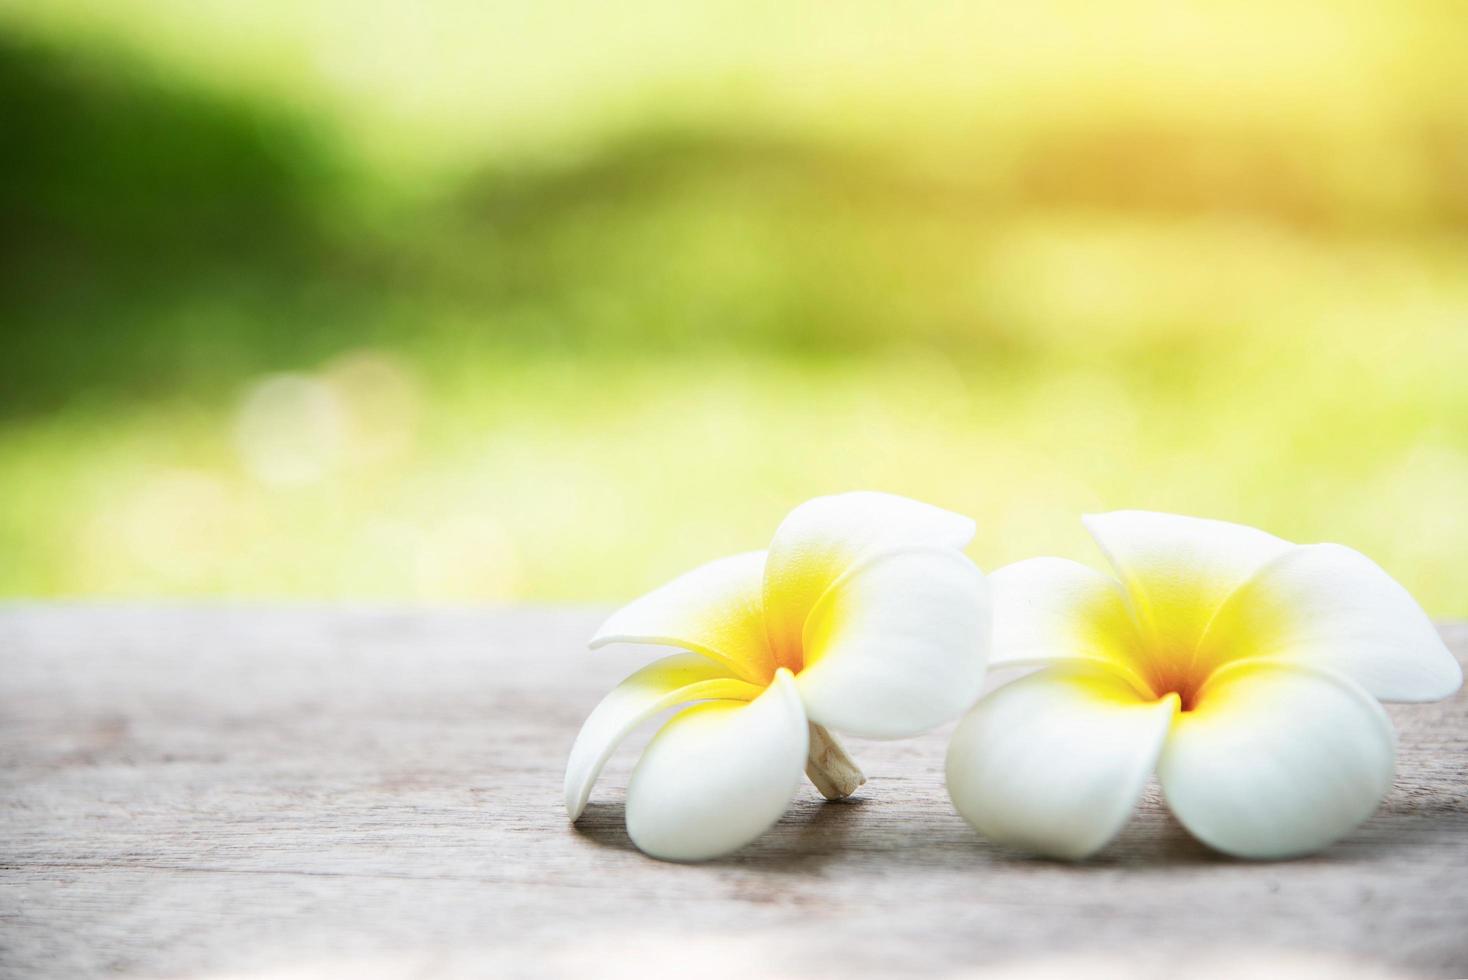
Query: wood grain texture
(284,791)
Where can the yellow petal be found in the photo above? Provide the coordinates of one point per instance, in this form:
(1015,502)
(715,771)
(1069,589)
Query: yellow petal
(1051,609)
(1055,761)
(898,645)
(718,775)
(1277,759)
(824,537)
(1333,607)
(671,681)
(1177,572)
(715,610)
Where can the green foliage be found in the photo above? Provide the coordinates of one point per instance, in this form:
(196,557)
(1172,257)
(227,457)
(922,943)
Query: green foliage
(249,351)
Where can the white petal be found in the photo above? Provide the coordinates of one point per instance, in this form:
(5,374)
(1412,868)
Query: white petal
(1048,609)
(1333,607)
(822,538)
(1055,761)
(660,685)
(1277,759)
(715,610)
(1178,570)
(897,645)
(718,775)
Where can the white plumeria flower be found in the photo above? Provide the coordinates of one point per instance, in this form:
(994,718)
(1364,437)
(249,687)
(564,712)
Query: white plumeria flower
(1244,670)
(863,616)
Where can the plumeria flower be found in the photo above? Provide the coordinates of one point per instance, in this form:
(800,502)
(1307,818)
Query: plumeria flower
(1244,670)
(863,616)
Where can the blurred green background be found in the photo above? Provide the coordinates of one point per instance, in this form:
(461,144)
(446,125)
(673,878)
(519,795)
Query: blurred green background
(551,301)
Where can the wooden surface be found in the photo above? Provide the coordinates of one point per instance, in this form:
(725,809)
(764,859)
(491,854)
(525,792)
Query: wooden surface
(251,792)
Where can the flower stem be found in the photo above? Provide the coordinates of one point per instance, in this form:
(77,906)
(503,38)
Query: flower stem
(829,767)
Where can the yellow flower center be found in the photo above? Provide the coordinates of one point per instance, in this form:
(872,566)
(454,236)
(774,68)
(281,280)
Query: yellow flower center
(1175,672)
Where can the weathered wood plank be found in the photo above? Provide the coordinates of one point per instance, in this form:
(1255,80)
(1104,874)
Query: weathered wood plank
(242,791)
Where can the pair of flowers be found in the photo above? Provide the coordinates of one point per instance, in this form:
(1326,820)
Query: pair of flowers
(1244,670)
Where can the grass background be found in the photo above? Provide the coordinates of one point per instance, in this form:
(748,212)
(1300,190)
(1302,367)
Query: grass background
(469,302)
